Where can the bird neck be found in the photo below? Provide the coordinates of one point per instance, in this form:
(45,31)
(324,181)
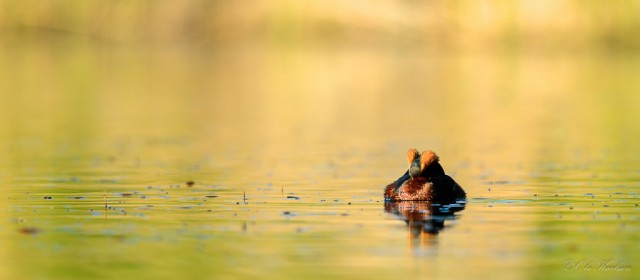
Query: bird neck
(434,169)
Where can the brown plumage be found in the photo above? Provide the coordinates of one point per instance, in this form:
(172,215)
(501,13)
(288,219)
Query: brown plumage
(425,180)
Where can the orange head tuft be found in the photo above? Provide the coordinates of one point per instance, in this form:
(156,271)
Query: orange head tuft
(412,154)
(427,158)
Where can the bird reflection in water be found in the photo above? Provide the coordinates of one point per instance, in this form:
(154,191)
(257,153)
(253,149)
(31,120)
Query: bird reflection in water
(425,219)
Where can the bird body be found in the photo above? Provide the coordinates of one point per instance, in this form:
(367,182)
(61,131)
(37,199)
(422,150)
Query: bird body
(424,180)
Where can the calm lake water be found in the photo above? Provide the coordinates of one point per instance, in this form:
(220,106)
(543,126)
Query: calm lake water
(289,150)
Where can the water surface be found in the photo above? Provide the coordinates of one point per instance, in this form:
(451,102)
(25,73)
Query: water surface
(289,150)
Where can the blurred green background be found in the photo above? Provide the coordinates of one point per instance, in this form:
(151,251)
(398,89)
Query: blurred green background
(452,25)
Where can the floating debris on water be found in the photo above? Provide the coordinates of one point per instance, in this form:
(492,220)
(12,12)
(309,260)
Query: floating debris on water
(30,230)
(501,182)
(106,180)
(190,183)
(293,197)
(211,196)
(48,197)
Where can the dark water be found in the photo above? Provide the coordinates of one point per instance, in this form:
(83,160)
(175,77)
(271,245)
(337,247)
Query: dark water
(289,151)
